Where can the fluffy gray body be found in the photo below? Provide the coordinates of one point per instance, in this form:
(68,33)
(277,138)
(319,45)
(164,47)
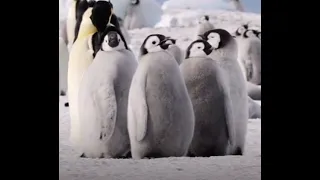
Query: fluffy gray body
(176,52)
(227,59)
(103,100)
(250,57)
(63,67)
(211,101)
(254,109)
(254,91)
(160,113)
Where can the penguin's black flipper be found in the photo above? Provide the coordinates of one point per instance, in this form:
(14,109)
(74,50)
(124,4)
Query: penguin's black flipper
(62,93)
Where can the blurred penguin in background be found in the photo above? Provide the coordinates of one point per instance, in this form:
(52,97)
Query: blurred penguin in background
(142,13)
(204,25)
(134,18)
(124,31)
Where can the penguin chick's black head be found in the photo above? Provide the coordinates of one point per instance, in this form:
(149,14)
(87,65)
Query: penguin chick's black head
(218,38)
(101,14)
(198,48)
(154,43)
(112,37)
(135,2)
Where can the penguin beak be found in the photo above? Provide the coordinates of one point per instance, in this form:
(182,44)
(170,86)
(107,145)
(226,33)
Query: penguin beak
(163,44)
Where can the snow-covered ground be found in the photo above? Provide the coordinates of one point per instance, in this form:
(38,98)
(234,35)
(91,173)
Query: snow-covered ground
(247,167)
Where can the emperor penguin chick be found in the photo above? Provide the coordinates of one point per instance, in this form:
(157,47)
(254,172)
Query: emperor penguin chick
(250,55)
(225,52)
(160,113)
(103,99)
(210,96)
(204,25)
(174,50)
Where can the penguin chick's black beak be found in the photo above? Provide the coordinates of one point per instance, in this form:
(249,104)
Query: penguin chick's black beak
(113,39)
(164,45)
(209,50)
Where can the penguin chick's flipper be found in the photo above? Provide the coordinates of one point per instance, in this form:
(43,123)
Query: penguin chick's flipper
(106,111)
(140,108)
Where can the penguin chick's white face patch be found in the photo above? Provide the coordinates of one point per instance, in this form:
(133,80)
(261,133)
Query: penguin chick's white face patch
(152,44)
(214,40)
(241,30)
(112,42)
(250,34)
(197,50)
(202,20)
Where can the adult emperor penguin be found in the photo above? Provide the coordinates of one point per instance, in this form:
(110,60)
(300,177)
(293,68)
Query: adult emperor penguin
(250,55)
(174,50)
(134,18)
(210,95)
(225,52)
(103,99)
(74,18)
(160,113)
(204,25)
(94,21)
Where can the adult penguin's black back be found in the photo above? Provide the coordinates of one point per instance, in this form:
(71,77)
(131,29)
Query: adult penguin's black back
(102,14)
(81,7)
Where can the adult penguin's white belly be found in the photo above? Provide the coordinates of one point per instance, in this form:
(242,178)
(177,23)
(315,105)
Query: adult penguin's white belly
(81,56)
(63,66)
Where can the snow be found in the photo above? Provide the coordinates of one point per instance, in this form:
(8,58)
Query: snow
(247,167)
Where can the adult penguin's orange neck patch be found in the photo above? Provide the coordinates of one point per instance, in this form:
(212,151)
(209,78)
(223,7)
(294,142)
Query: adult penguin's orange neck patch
(86,27)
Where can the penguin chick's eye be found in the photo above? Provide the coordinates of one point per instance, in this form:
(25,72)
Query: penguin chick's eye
(199,47)
(154,42)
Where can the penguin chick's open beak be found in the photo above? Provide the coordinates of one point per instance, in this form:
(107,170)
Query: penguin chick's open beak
(164,45)
(113,39)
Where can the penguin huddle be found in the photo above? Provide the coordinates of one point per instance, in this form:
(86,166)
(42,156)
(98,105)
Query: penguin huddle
(163,104)
(249,57)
